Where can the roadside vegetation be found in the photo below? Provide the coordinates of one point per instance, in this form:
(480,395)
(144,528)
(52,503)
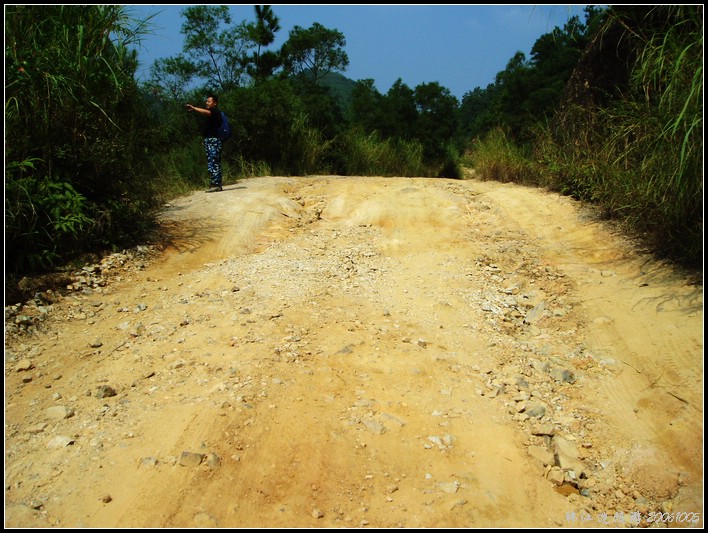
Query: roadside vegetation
(607,110)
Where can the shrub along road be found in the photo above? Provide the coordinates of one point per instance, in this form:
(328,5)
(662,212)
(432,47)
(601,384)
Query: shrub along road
(379,352)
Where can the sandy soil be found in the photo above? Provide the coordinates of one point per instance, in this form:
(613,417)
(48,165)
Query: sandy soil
(361,352)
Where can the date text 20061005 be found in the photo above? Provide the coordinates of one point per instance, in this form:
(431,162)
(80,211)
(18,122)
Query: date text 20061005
(679,517)
(635,517)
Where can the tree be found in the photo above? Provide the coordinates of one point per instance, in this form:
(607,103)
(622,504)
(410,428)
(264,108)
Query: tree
(437,119)
(268,117)
(528,91)
(399,113)
(173,75)
(220,56)
(314,52)
(365,108)
(262,32)
(477,111)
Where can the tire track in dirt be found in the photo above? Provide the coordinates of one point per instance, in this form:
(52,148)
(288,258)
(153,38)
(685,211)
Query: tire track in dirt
(645,317)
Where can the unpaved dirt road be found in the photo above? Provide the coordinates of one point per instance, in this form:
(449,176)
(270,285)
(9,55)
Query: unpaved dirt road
(362,352)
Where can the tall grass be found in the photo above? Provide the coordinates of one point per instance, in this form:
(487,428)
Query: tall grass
(240,168)
(184,170)
(639,157)
(368,155)
(497,158)
(309,147)
(71,110)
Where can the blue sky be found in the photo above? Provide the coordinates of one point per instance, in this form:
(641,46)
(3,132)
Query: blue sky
(459,46)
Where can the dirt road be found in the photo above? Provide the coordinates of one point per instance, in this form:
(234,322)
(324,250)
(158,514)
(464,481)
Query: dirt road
(361,352)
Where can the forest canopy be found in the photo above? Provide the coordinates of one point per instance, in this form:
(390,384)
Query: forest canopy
(606,109)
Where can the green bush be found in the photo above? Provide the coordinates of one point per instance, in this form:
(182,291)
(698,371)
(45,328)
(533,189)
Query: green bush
(495,157)
(43,219)
(367,155)
(75,156)
(451,166)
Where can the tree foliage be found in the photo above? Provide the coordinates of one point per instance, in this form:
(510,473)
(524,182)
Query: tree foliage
(399,117)
(221,56)
(173,76)
(437,122)
(262,32)
(596,106)
(314,52)
(529,90)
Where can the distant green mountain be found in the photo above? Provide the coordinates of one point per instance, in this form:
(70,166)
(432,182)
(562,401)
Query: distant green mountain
(340,86)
